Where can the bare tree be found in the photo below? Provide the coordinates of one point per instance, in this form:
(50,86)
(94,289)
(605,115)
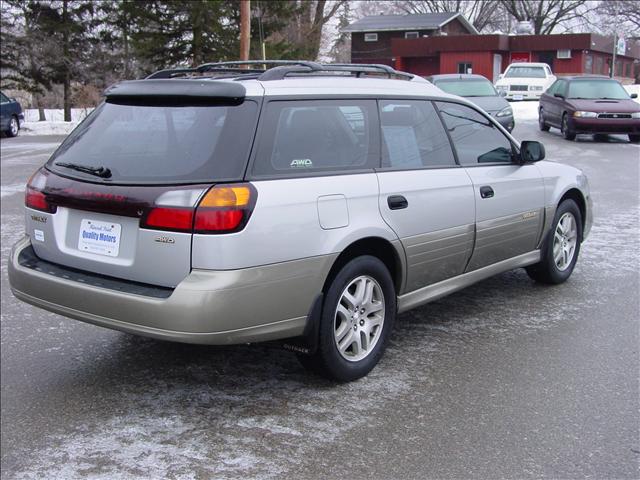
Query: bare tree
(548,15)
(623,16)
(484,15)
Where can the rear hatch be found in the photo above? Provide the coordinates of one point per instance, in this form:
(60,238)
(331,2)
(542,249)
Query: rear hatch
(118,197)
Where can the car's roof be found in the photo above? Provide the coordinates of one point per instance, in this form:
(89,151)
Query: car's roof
(588,77)
(458,76)
(528,64)
(341,86)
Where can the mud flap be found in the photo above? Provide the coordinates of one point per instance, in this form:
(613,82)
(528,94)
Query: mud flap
(307,343)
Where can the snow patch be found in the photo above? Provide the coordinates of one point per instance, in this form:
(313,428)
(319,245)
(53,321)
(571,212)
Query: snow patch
(7,190)
(47,128)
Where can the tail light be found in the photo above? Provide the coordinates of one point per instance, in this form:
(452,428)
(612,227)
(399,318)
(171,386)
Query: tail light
(223,209)
(34,197)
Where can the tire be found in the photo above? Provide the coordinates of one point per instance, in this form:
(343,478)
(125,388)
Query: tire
(634,138)
(567,133)
(564,238)
(373,321)
(14,127)
(541,123)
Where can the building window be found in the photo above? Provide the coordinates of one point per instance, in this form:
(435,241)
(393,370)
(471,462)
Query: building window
(411,35)
(465,67)
(599,65)
(370,37)
(619,68)
(588,64)
(627,69)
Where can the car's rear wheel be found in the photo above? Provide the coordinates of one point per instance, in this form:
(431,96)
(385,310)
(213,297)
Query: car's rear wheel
(358,312)
(14,127)
(634,138)
(567,133)
(561,247)
(541,123)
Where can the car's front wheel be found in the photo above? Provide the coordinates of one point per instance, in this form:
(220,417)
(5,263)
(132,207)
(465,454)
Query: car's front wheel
(567,133)
(541,123)
(358,313)
(561,247)
(14,127)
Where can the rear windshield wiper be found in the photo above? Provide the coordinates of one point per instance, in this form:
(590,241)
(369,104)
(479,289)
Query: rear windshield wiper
(101,172)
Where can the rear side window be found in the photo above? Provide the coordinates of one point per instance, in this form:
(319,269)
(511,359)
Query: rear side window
(413,136)
(475,139)
(161,144)
(302,137)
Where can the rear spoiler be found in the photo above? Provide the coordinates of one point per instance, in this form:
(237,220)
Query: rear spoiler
(175,92)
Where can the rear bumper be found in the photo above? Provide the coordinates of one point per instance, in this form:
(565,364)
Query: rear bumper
(208,307)
(606,126)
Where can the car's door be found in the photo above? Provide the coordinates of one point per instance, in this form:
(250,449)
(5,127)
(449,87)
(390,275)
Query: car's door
(556,104)
(425,197)
(509,197)
(4,110)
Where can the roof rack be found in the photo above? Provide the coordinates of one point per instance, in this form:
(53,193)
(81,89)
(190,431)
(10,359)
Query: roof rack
(283,68)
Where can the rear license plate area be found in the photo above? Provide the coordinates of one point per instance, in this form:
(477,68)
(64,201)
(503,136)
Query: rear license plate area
(101,238)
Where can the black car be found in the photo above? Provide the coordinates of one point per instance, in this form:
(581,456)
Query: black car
(11,116)
(479,90)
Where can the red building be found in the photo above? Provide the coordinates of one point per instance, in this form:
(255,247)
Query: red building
(434,43)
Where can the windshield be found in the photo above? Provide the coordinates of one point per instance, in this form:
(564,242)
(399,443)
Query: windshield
(160,144)
(593,89)
(525,72)
(467,88)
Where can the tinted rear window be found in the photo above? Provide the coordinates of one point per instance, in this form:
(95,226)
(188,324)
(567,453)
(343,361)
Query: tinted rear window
(161,144)
(467,88)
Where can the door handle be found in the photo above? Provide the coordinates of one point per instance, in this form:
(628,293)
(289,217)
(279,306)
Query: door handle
(397,202)
(486,191)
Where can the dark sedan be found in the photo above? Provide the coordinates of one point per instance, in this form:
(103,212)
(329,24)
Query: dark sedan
(11,115)
(479,90)
(589,104)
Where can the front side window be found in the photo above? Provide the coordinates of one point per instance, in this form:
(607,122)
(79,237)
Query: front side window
(475,139)
(3,98)
(302,137)
(413,135)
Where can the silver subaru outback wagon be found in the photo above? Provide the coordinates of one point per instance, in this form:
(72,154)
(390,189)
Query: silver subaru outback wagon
(302,203)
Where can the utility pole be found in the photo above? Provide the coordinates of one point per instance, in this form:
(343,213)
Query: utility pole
(245,28)
(613,60)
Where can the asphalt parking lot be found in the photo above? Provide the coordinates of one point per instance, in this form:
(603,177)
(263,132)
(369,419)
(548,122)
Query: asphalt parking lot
(506,379)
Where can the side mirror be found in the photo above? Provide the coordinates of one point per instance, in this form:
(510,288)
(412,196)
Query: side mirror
(500,76)
(634,95)
(559,95)
(502,93)
(531,151)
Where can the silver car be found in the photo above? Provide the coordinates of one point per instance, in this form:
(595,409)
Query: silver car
(306,204)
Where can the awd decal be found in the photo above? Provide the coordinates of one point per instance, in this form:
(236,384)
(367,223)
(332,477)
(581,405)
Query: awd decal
(38,218)
(164,240)
(303,162)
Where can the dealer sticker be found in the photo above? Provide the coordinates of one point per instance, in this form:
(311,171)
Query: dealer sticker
(102,238)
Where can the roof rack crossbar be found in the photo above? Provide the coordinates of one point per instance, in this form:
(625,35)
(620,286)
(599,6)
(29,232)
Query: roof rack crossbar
(282,68)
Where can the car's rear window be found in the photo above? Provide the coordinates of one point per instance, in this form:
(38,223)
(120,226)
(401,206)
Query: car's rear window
(468,88)
(161,144)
